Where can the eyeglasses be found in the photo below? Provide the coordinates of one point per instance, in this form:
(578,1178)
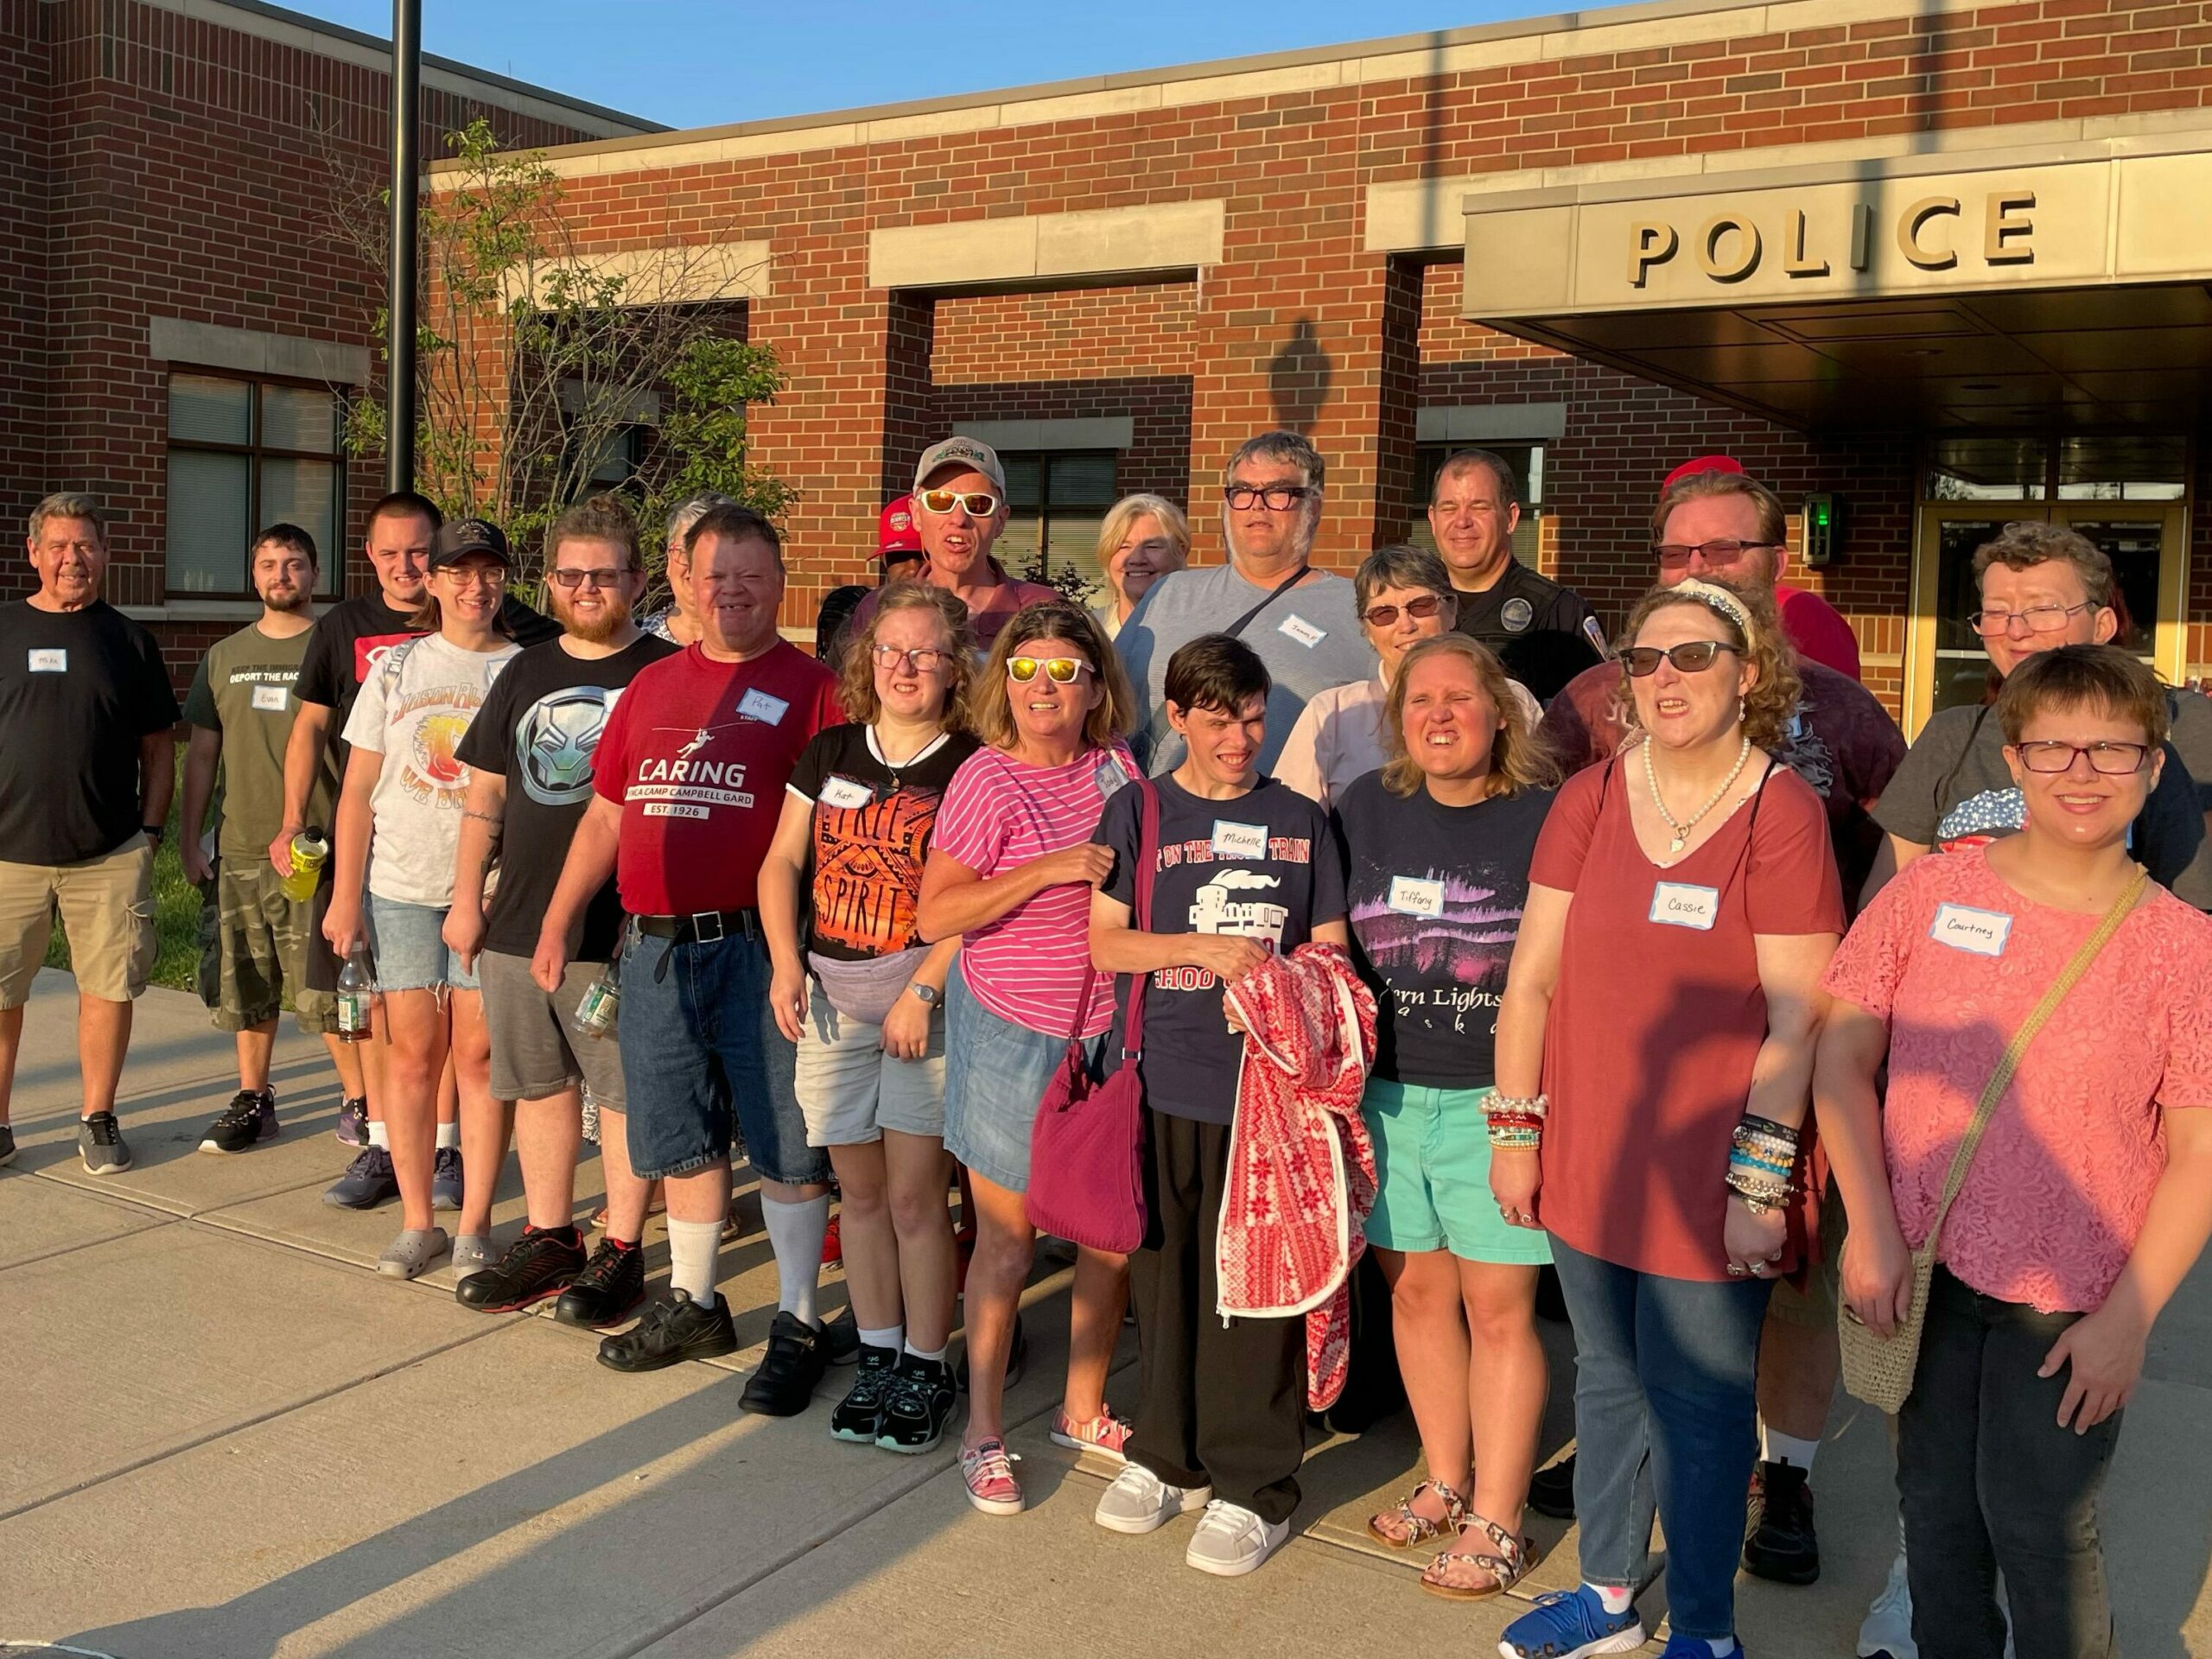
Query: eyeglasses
(1691,657)
(1675,555)
(922,660)
(2113,759)
(2036,619)
(981,504)
(1276,498)
(575,579)
(466,576)
(1061,671)
(1382,616)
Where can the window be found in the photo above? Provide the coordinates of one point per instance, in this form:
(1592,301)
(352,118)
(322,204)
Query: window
(1056,501)
(1527,460)
(243,454)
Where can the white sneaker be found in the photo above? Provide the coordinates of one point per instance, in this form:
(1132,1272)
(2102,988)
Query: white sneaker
(1231,1541)
(1140,1501)
(1888,1627)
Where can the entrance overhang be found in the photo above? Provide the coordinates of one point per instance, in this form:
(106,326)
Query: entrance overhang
(2066,286)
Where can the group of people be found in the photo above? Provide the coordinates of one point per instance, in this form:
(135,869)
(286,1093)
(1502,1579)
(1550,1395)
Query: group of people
(1663,965)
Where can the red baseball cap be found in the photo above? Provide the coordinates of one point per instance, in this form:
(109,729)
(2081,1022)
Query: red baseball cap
(895,529)
(1702,464)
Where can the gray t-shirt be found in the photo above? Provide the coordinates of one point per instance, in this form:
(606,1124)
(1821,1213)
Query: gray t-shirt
(1309,638)
(1953,790)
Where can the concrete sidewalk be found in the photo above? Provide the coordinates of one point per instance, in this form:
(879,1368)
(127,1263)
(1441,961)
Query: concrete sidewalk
(226,1440)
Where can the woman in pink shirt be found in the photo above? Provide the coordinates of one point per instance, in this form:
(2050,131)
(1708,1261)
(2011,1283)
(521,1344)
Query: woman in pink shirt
(1011,869)
(2090,1195)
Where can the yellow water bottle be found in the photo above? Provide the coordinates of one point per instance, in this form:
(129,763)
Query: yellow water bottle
(310,852)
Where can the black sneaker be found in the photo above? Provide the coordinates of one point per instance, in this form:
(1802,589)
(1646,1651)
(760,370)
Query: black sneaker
(607,1291)
(249,1119)
(7,1146)
(916,1405)
(1551,1491)
(369,1180)
(539,1264)
(840,1337)
(1017,1359)
(1779,1543)
(99,1143)
(353,1129)
(859,1415)
(672,1332)
(784,1385)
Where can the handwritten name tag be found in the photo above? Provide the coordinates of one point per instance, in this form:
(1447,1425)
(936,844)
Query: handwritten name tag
(1981,932)
(1111,776)
(757,705)
(1410,896)
(55,661)
(845,795)
(1678,903)
(1239,840)
(1302,630)
(269,698)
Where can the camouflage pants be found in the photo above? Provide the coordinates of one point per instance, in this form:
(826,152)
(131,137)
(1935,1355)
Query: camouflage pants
(253,945)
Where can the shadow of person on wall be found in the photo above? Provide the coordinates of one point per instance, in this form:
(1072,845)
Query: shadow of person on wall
(1298,378)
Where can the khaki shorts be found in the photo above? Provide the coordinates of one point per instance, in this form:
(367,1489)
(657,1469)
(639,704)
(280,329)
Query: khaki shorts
(106,906)
(849,1091)
(1814,1306)
(253,948)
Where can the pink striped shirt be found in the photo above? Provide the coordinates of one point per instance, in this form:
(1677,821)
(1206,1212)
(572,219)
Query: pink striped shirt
(1031,965)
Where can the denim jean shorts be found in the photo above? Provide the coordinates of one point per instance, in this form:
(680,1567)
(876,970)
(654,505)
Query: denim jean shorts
(407,944)
(996,1073)
(700,1054)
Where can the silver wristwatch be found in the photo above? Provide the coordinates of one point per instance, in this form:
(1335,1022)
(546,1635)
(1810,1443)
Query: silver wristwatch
(927,993)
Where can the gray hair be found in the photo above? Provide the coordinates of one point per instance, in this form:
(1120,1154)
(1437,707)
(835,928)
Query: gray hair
(692,508)
(68,504)
(1508,482)
(1286,447)
(1400,566)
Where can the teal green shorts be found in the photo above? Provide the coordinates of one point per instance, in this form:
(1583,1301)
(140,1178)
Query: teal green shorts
(1431,1163)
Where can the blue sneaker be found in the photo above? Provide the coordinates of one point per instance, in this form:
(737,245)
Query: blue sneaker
(1695,1647)
(1569,1624)
(445,1179)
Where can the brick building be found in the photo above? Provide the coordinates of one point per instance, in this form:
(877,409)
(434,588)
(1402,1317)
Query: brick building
(180,318)
(1942,263)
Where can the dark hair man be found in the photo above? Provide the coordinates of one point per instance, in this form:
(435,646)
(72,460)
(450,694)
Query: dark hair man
(1543,633)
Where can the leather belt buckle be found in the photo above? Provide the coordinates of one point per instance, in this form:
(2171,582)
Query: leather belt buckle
(703,920)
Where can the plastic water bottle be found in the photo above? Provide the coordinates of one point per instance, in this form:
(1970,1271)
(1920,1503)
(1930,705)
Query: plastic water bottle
(595,1014)
(356,989)
(310,852)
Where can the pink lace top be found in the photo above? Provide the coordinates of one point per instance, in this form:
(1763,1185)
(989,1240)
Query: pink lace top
(1954,960)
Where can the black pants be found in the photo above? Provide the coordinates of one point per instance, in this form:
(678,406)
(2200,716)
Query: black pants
(1990,1483)
(1223,1405)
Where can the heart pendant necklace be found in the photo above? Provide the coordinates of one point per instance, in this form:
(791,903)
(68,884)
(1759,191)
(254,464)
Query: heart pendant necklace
(1680,828)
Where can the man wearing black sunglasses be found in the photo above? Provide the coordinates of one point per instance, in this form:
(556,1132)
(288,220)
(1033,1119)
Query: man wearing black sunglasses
(959,508)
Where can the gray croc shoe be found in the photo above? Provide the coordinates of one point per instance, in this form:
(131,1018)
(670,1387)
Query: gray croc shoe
(411,1254)
(472,1253)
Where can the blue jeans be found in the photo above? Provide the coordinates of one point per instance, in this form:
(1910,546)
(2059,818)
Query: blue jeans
(701,1050)
(1665,1376)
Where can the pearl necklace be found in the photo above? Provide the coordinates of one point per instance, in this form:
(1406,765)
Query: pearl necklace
(1681,829)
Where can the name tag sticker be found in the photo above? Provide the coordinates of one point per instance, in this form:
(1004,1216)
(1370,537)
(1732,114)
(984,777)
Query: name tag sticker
(54,661)
(1981,932)
(844,795)
(1410,896)
(757,705)
(270,698)
(1680,904)
(1302,630)
(1239,840)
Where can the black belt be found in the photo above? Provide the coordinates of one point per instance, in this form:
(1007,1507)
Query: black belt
(702,927)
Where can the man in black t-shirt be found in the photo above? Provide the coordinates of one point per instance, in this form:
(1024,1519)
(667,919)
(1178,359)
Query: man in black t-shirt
(1543,632)
(529,750)
(85,775)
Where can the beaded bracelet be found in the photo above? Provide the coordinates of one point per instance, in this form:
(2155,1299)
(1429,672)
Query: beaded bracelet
(1506,1106)
(1515,1137)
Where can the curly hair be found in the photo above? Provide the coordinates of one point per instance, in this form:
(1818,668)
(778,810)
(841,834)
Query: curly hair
(1521,757)
(856,663)
(1771,703)
(990,708)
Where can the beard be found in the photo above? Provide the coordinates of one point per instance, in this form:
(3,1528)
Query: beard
(286,601)
(595,631)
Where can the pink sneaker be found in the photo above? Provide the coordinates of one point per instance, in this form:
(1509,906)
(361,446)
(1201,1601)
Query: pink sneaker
(1106,1434)
(989,1470)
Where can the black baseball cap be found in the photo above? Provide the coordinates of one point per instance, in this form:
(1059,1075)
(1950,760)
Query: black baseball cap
(458,537)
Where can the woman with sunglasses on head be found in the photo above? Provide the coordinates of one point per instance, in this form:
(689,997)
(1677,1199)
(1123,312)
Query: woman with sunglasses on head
(1438,843)
(865,1001)
(1010,874)
(2088,1198)
(1654,1055)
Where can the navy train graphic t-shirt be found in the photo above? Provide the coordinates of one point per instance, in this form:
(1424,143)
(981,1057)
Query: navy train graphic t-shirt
(1436,895)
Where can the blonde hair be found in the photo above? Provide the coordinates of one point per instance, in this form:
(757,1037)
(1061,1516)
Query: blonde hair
(1125,512)
(990,708)
(1520,756)
(857,663)
(1771,703)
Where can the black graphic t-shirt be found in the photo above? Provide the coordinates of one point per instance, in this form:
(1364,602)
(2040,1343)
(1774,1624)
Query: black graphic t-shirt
(1264,865)
(539,726)
(872,824)
(1436,895)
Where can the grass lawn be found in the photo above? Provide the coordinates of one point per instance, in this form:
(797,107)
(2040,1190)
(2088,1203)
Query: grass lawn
(176,914)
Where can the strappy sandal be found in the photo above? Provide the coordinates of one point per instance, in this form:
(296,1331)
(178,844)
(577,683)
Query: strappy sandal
(1505,1561)
(1404,1527)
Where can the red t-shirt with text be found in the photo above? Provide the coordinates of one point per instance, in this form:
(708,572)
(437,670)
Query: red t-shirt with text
(696,753)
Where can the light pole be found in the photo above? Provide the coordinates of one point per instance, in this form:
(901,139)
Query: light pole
(406,184)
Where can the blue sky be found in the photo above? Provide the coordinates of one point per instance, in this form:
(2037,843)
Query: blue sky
(693,63)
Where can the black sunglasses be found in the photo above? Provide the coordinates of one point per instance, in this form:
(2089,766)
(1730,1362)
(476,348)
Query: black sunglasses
(1691,657)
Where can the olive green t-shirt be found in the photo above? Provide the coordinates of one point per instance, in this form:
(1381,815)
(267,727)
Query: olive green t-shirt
(243,690)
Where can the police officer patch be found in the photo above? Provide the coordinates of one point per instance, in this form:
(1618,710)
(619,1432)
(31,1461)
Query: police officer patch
(1516,614)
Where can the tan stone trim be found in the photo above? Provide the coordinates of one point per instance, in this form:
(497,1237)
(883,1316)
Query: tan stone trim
(1101,432)
(247,351)
(686,273)
(1118,241)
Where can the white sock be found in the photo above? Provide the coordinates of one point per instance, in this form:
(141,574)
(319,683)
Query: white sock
(1616,1601)
(938,1358)
(448,1137)
(691,1247)
(379,1136)
(1721,1646)
(795,1233)
(1777,1447)
(893,1337)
